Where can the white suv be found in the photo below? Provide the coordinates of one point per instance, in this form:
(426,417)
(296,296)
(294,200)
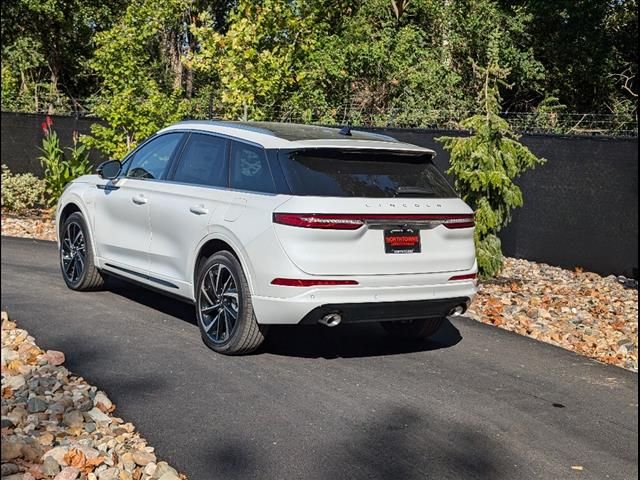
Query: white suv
(265,223)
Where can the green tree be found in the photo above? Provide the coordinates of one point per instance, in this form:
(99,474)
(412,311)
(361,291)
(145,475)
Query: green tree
(486,164)
(45,45)
(138,96)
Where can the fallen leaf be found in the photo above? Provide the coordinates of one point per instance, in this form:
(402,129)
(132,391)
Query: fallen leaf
(75,458)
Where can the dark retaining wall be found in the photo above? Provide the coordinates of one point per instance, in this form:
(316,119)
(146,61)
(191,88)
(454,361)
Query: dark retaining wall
(580,208)
(22,135)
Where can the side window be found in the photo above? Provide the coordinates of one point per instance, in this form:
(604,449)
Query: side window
(250,169)
(203,161)
(151,161)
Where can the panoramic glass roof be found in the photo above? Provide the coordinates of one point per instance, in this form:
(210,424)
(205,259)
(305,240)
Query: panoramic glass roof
(294,131)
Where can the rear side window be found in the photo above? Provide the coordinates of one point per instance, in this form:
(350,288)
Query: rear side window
(203,161)
(249,169)
(363,173)
(152,159)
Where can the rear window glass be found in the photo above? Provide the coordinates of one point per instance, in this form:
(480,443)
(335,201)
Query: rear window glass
(250,169)
(363,173)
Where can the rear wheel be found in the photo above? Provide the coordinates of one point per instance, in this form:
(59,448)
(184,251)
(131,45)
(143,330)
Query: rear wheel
(413,329)
(223,305)
(77,261)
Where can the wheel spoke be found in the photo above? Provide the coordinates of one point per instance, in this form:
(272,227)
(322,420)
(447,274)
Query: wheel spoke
(72,273)
(77,238)
(231,294)
(81,261)
(206,295)
(215,288)
(207,328)
(212,284)
(226,324)
(208,309)
(233,313)
(69,265)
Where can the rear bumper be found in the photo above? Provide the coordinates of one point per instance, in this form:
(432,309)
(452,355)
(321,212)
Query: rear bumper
(364,303)
(386,311)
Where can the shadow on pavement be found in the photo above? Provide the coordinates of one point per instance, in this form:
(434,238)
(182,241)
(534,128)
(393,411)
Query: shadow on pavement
(348,341)
(149,298)
(305,341)
(398,442)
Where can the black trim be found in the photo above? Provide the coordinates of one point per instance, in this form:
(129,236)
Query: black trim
(386,311)
(146,286)
(143,275)
(107,186)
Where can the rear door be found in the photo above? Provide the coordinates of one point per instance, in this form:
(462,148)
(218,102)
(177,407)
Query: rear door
(194,196)
(364,212)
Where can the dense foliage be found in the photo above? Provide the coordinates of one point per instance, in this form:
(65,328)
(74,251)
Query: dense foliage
(405,62)
(60,169)
(485,165)
(21,192)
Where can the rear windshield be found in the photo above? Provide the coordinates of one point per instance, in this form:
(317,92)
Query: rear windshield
(363,173)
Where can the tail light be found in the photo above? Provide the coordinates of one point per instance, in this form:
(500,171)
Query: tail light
(466,276)
(341,221)
(313,220)
(297,282)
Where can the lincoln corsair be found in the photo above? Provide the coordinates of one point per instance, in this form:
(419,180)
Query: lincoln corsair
(263,223)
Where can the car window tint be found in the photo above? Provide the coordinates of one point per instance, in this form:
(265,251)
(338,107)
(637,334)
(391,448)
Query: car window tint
(363,173)
(203,161)
(152,159)
(250,169)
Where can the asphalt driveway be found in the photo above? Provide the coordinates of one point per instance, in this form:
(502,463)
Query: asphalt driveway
(343,403)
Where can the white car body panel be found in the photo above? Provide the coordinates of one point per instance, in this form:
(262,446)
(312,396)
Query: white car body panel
(157,241)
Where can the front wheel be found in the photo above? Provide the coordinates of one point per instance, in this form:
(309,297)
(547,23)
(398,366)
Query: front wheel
(223,306)
(413,329)
(77,260)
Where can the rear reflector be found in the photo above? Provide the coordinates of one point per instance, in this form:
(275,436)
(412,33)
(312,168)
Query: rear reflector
(467,276)
(295,282)
(340,221)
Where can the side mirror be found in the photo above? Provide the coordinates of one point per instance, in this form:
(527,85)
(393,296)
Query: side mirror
(109,169)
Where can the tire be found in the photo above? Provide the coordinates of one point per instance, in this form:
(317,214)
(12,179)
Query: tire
(413,329)
(222,290)
(77,260)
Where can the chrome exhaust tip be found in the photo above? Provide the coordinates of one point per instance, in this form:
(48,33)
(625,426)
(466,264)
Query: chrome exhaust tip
(331,320)
(458,310)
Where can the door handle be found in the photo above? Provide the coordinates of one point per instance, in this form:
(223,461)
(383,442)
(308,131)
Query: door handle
(139,199)
(199,210)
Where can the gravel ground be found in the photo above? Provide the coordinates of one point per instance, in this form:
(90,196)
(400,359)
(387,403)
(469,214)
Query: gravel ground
(592,315)
(55,425)
(39,225)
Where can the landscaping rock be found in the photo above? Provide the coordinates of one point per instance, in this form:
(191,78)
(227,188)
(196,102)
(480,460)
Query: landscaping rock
(581,311)
(8,469)
(55,357)
(36,404)
(56,426)
(68,473)
(50,466)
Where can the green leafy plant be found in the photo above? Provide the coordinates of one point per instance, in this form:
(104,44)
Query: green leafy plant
(21,192)
(136,99)
(59,169)
(485,166)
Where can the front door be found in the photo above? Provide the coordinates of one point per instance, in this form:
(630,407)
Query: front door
(122,218)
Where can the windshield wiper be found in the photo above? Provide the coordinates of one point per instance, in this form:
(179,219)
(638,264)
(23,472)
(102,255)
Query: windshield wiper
(414,192)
